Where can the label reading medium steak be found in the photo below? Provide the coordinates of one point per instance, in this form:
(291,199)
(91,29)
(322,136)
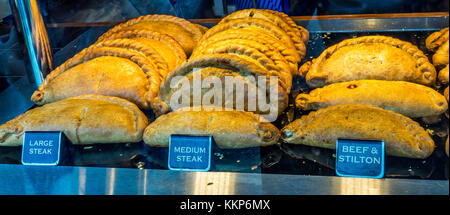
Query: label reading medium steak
(190,153)
(41,148)
(360,158)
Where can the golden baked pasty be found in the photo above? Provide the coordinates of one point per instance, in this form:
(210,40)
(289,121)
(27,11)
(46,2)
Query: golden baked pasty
(166,46)
(409,99)
(254,24)
(369,57)
(289,53)
(443,75)
(303,32)
(86,119)
(403,137)
(243,66)
(441,57)
(271,60)
(230,129)
(109,71)
(436,39)
(184,32)
(215,91)
(293,32)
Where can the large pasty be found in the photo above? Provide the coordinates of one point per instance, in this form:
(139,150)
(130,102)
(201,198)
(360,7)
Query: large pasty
(403,137)
(112,71)
(86,119)
(369,57)
(409,99)
(293,32)
(243,66)
(231,129)
(184,32)
(166,46)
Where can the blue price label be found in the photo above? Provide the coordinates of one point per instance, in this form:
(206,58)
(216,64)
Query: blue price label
(190,153)
(41,148)
(360,158)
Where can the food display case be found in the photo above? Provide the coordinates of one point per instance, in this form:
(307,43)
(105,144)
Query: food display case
(105,75)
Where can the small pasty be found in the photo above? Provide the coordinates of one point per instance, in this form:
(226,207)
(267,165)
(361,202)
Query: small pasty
(443,75)
(187,34)
(230,129)
(441,57)
(111,71)
(86,119)
(369,57)
(403,137)
(410,99)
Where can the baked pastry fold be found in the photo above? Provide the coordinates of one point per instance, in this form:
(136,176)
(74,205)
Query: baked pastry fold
(293,32)
(443,75)
(441,57)
(403,137)
(86,119)
(109,71)
(242,66)
(369,57)
(187,34)
(436,39)
(410,99)
(230,129)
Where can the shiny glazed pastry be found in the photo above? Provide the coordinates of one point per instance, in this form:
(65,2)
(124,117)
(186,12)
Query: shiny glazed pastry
(231,129)
(123,70)
(86,119)
(234,63)
(443,75)
(187,34)
(369,57)
(441,57)
(403,136)
(409,99)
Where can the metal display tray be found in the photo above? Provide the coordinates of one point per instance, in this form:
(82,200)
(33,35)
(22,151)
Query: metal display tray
(137,169)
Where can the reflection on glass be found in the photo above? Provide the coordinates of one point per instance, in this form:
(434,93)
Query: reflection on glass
(82,181)
(211,183)
(360,186)
(110,181)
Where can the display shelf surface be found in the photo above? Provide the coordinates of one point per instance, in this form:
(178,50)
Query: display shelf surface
(66,180)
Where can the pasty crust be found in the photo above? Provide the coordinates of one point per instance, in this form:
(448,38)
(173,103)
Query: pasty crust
(303,32)
(227,61)
(242,130)
(293,32)
(257,35)
(443,75)
(178,55)
(403,136)
(183,31)
(441,57)
(370,57)
(85,119)
(270,59)
(252,23)
(42,96)
(409,99)
(436,39)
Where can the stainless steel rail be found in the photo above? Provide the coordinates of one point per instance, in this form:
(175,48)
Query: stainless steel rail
(31,180)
